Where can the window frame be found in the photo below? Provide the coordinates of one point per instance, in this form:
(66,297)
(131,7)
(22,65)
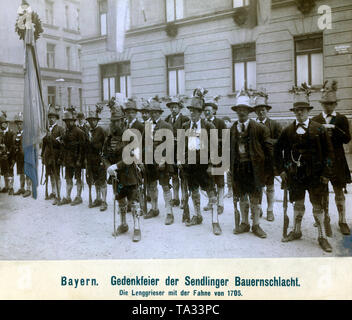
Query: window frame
(244,4)
(175,11)
(168,69)
(309,52)
(116,77)
(106,17)
(49,5)
(53,95)
(50,52)
(245,61)
(68,52)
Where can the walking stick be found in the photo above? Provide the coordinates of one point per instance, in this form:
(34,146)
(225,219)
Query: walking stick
(46,186)
(286,219)
(237,213)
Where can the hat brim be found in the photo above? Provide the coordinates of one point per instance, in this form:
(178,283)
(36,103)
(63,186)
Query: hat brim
(326,101)
(249,108)
(93,118)
(169,104)
(263,105)
(302,107)
(196,108)
(54,114)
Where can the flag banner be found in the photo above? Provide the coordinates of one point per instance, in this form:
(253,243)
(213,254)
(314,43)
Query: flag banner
(34,115)
(117,24)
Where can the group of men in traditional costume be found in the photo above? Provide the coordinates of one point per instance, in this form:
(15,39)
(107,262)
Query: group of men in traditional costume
(306,155)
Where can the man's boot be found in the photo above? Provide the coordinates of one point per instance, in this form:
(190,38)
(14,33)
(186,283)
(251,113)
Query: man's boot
(11,191)
(123,227)
(319,219)
(298,213)
(78,199)
(104,205)
(341,208)
(136,227)
(28,191)
(215,216)
(256,229)
(244,209)
(197,217)
(21,190)
(270,198)
(168,205)
(220,200)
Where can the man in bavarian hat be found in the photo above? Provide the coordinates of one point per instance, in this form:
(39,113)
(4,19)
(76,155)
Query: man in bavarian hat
(51,149)
(303,158)
(130,108)
(158,171)
(19,158)
(72,156)
(95,170)
(261,108)
(145,111)
(82,123)
(251,148)
(176,119)
(338,130)
(7,154)
(210,110)
(198,172)
(124,178)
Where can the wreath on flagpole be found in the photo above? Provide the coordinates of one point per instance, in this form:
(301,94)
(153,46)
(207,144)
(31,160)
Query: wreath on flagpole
(28,20)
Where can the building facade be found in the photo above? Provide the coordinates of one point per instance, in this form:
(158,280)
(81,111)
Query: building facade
(174,46)
(58,53)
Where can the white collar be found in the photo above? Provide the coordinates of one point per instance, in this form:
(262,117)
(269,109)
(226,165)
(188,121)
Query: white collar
(212,118)
(132,122)
(262,121)
(332,113)
(157,120)
(306,123)
(197,123)
(239,124)
(52,125)
(6,130)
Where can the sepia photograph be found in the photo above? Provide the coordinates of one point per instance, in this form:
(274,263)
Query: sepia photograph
(175,129)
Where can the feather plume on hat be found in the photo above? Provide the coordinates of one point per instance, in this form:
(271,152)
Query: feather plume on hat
(155,98)
(98,109)
(4,114)
(200,92)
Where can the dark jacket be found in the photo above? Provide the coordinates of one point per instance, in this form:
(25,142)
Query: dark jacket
(112,154)
(73,148)
(320,154)
(94,146)
(275,132)
(339,136)
(51,146)
(260,150)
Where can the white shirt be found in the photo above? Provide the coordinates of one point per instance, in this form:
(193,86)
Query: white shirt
(131,123)
(300,130)
(172,117)
(194,140)
(52,127)
(328,118)
(263,122)
(154,124)
(239,125)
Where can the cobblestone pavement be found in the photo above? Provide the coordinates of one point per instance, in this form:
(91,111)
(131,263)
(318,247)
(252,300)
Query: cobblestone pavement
(36,230)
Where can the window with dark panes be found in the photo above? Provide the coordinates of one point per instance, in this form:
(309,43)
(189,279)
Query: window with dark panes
(116,77)
(52,95)
(69,96)
(244,66)
(103,16)
(175,74)
(309,59)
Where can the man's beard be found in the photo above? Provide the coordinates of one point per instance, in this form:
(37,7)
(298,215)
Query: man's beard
(117,130)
